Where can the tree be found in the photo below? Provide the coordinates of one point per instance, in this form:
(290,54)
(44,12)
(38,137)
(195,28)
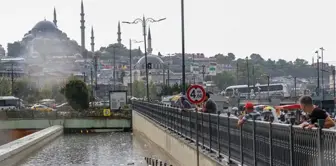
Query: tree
(225,79)
(152,91)
(4,87)
(77,95)
(139,89)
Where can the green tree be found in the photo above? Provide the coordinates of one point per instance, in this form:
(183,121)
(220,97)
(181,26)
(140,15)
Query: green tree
(152,91)
(139,89)
(225,79)
(5,87)
(77,95)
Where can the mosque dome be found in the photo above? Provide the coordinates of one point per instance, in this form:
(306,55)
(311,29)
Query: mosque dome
(45,26)
(155,61)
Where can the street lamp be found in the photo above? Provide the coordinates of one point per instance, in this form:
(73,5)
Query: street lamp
(183,48)
(130,54)
(322,71)
(248,79)
(318,73)
(144,22)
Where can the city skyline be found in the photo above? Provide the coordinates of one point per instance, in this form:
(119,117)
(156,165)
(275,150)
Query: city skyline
(285,29)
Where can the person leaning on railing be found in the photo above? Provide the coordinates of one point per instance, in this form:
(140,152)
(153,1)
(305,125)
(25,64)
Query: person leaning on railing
(314,114)
(250,114)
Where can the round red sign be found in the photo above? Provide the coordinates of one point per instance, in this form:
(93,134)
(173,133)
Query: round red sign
(196,94)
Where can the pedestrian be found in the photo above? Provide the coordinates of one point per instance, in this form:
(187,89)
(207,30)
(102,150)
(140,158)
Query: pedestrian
(250,113)
(210,106)
(314,114)
(185,104)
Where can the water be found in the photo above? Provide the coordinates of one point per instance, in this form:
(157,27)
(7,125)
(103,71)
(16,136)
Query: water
(103,149)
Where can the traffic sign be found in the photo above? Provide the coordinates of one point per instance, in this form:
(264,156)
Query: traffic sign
(196,94)
(107,112)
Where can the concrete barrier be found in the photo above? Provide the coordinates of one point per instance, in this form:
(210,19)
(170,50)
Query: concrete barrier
(179,149)
(67,123)
(12,153)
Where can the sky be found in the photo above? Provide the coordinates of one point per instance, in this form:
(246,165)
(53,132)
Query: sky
(286,29)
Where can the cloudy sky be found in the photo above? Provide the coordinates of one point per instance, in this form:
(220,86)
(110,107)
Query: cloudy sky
(273,28)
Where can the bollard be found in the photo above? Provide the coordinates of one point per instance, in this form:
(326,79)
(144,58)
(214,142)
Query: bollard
(160,163)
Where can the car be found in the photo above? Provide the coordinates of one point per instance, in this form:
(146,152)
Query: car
(40,107)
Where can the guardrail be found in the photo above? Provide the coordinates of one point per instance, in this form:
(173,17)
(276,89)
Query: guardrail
(33,114)
(155,162)
(255,143)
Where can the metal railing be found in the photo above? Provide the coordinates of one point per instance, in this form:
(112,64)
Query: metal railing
(155,162)
(256,143)
(33,114)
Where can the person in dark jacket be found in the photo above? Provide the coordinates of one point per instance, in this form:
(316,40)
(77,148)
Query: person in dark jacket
(210,105)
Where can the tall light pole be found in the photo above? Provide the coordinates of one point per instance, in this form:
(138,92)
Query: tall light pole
(322,71)
(144,22)
(114,69)
(130,56)
(248,79)
(183,49)
(334,81)
(318,74)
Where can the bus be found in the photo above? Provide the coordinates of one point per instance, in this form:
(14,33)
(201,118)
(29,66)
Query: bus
(259,91)
(10,102)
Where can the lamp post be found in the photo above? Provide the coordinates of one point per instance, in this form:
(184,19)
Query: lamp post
(183,49)
(295,88)
(322,71)
(318,74)
(248,79)
(333,73)
(114,69)
(144,22)
(130,57)
(268,86)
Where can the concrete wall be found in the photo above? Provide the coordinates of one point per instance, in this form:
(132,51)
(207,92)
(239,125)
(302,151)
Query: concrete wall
(184,153)
(18,150)
(67,123)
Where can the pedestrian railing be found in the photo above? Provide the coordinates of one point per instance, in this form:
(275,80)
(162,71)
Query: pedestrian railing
(155,162)
(256,143)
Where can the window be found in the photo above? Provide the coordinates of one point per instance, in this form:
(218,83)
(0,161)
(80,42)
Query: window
(9,102)
(229,92)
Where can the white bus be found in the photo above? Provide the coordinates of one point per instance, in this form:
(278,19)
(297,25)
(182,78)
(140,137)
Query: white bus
(260,90)
(10,102)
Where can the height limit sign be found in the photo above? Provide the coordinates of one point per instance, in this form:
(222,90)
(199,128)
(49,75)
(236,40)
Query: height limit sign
(196,94)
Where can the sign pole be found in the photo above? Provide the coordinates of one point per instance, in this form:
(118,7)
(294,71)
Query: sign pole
(197,146)
(196,94)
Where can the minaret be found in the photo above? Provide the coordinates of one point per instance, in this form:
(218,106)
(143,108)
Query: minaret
(95,60)
(119,33)
(92,40)
(149,49)
(82,27)
(55,17)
